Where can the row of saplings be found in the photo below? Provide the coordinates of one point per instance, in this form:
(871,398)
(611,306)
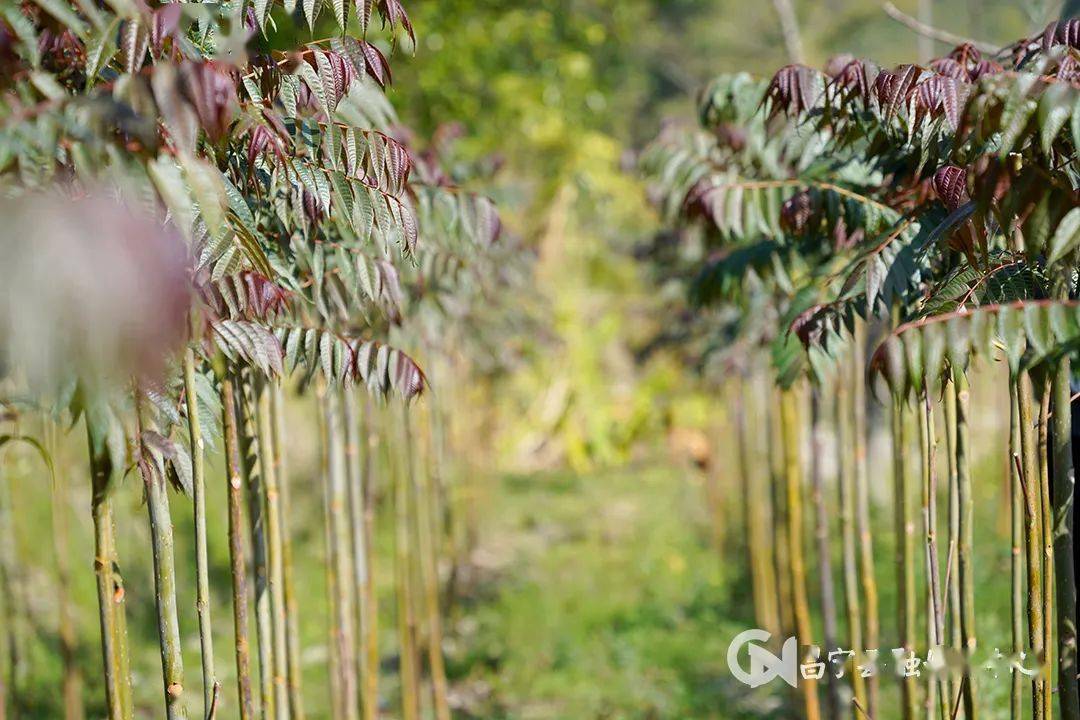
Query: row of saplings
(255,221)
(932,214)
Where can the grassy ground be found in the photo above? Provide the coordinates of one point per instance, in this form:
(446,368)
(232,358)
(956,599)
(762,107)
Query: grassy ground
(603,600)
(604,597)
(596,596)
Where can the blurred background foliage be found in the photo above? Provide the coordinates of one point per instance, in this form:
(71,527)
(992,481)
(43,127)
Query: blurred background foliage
(556,94)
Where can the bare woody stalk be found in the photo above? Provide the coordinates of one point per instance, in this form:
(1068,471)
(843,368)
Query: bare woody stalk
(161,541)
(202,570)
(1029,480)
(852,605)
(1046,513)
(269,462)
(789,428)
(426,522)
(936,622)
(965,563)
(1064,570)
(369,596)
(255,462)
(292,613)
(952,574)
(358,471)
(1016,689)
(406,619)
(7,547)
(337,702)
(862,509)
(72,683)
(824,552)
(904,522)
(756,504)
(340,562)
(237,561)
(781,531)
(789,26)
(110,583)
(12,599)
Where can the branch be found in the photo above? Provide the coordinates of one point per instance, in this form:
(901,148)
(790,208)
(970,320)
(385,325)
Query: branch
(932,32)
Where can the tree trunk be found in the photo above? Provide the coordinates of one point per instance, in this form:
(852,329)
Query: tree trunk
(339,562)
(864,524)
(1064,487)
(789,421)
(66,629)
(965,558)
(936,691)
(357,456)
(110,583)
(369,597)
(269,461)
(952,572)
(255,463)
(1033,535)
(406,618)
(237,561)
(778,491)
(756,508)
(904,517)
(11,589)
(426,522)
(846,464)
(161,542)
(824,553)
(292,612)
(202,571)
(1016,690)
(1045,515)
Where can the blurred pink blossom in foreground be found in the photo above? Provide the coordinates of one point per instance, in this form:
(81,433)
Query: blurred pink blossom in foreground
(88,288)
